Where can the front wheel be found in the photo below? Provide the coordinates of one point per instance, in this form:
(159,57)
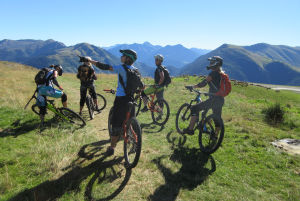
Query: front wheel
(160,112)
(72,117)
(132,143)
(183,117)
(109,122)
(35,108)
(89,105)
(211,134)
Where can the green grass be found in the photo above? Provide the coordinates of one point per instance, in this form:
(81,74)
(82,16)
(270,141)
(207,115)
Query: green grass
(66,164)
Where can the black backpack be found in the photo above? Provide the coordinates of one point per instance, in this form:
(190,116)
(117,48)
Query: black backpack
(133,81)
(40,77)
(167,77)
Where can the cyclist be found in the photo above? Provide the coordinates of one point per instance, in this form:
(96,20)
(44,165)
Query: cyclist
(214,102)
(119,111)
(158,88)
(86,74)
(47,89)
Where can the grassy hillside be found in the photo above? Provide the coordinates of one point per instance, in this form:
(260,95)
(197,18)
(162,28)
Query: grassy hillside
(67,164)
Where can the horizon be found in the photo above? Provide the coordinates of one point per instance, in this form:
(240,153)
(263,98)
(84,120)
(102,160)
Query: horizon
(193,24)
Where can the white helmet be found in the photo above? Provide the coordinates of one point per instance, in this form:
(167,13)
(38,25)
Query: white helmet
(159,57)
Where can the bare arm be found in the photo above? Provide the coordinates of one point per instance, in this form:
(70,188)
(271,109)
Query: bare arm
(102,66)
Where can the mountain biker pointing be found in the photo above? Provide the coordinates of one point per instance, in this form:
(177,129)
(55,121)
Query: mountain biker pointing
(159,79)
(214,102)
(86,74)
(122,99)
(47,89)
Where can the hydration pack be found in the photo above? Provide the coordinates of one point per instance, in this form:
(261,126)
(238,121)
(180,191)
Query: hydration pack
(133,81)
(40,77)
(225,85)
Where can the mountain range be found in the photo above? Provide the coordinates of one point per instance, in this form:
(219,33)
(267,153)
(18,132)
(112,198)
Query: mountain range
(262,63)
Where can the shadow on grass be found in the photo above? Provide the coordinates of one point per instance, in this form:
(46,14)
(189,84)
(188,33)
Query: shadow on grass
(151,127)
(195,169)
(101,170)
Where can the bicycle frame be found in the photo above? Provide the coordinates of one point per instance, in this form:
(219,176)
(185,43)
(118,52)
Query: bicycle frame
(125,125)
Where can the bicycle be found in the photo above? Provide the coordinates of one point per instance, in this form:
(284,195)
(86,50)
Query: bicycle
(157,108)
(91,105)
(62,113)
(211,128)
(131,134)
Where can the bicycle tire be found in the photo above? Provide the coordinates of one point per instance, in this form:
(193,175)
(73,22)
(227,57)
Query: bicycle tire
(207,143)
(35,108)
(138,100)
(75,118)
(183,117)
(109,122)
(89,105)
(165,115)
(101,101)
(133,144)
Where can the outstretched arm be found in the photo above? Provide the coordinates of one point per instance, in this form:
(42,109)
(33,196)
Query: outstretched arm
(102,66)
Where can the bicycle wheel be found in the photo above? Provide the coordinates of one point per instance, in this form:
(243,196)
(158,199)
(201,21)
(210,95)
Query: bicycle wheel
(133,143)
(109,122)
(35,108)
(160,112)
(101,102)
(90,107)
(183,117)
(211,134)
(72,117)
(138,100)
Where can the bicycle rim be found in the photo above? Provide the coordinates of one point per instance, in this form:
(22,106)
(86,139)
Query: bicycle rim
(89,105)
(72,117)
(35,108)
(133,144)
(211,134)
(101,101)
(183,117)
(160,112)
(109,122)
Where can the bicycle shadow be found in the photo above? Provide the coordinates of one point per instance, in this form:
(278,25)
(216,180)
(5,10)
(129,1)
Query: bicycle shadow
(195,169)
(151,127)
(101,169)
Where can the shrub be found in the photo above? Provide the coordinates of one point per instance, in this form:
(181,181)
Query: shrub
(274,114)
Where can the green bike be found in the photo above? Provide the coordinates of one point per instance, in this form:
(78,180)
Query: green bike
(64,114)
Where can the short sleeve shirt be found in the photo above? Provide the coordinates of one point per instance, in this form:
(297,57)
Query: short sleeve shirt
(119,69)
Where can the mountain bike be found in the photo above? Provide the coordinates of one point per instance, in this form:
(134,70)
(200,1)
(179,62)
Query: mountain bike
(62,113)
(91,105)
(131,134)
(211,128)
(160,110)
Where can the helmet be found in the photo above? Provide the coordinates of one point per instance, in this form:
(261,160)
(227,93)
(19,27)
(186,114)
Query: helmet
(159,57)
(215,61)
(59,69)
(130,53)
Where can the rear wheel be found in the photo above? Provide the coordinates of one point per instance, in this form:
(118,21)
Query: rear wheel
(133,143)
(72,117)
(89,105)
(211,134)
(160,112)
(138,101)
(183,118)
(101,102)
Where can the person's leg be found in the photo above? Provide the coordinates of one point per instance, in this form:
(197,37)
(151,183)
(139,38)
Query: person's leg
(148,91)
(94,96)
(83,91)
(217,105)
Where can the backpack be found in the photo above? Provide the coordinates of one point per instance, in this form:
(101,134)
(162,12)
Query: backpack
(40,77)
(133,81)
(167,77)
(225,85)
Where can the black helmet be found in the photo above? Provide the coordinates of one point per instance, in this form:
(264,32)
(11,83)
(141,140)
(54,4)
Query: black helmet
(59,69)
(215,61)
(130,53)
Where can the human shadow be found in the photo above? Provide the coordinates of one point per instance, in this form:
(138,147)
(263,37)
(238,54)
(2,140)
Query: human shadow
(101,169)
(195,169)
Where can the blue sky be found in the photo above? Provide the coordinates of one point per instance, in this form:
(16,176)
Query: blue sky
(192,23)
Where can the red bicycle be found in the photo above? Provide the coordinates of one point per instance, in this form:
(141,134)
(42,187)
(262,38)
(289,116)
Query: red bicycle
(131,133)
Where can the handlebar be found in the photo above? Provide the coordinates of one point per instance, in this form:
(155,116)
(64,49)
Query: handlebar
(110,91)
(199,92)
